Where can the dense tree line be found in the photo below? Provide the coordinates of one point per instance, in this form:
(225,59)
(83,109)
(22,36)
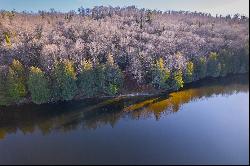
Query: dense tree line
(51,56)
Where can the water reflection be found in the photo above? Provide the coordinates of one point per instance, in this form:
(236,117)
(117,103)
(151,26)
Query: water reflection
(91,114)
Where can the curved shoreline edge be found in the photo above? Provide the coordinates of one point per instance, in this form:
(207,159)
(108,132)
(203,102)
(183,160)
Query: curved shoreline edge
(137,94)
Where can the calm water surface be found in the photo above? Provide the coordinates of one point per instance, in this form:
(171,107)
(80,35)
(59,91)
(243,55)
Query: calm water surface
(206,123)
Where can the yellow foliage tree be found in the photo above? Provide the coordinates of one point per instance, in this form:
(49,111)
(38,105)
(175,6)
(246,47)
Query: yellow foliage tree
(16,81)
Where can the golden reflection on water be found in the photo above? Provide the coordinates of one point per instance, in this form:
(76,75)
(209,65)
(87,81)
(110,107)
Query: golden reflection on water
(172,103)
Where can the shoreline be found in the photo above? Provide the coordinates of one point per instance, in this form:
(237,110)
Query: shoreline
(154,92)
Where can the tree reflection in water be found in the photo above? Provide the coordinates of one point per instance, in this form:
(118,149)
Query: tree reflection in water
(91,114)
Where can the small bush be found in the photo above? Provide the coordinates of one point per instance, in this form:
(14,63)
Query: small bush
(7,38)
(188,76)
(16,81)
(177,81)
(38,86)
(87,80)
(160,75)
(113,79)
(64,81)
(213,66)
(200,68)
(4,96)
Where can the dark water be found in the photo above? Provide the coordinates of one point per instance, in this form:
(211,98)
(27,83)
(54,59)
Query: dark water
(206,123)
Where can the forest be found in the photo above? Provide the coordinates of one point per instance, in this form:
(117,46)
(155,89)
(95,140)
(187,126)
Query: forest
(51,56)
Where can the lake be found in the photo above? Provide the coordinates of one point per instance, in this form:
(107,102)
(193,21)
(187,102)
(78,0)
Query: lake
(205,123)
